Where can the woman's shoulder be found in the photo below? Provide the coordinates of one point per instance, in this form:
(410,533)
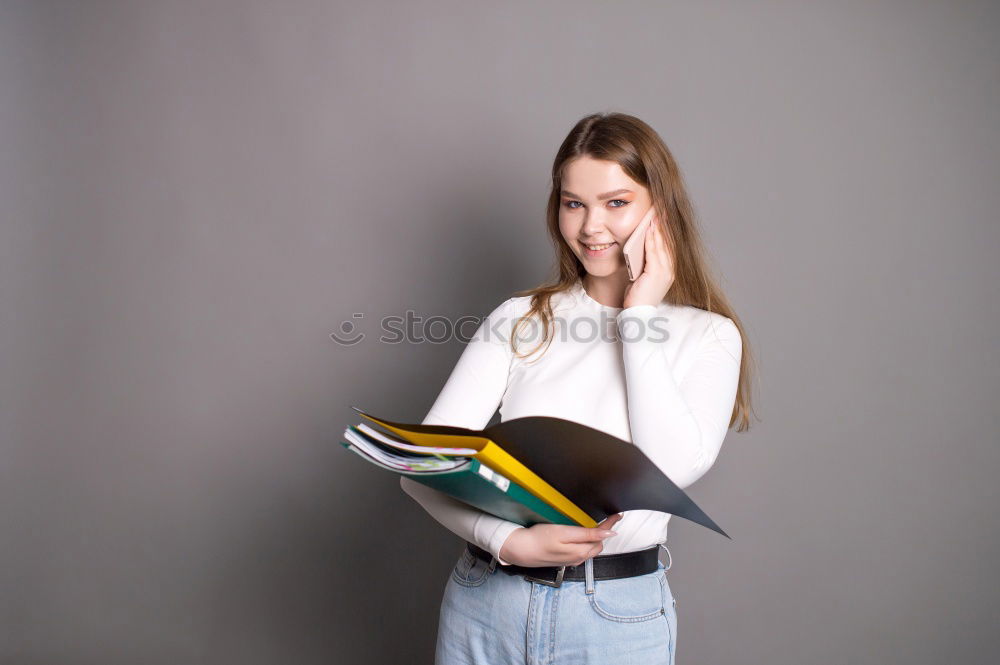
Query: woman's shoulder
(512,305)
(506,315)
(503,315)
(519,305)
(711,324)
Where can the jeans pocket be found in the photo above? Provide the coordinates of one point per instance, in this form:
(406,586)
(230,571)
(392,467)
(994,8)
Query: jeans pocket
(470,570)
(629,599)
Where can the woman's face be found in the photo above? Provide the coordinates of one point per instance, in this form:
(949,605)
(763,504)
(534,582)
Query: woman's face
(600,205)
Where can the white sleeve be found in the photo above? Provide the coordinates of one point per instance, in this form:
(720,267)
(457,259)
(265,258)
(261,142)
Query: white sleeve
(680,427)
(469,399)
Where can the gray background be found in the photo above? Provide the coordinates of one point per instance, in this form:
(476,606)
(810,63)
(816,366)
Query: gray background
(196,194)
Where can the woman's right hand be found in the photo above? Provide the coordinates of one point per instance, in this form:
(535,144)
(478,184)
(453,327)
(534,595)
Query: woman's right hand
(556,544)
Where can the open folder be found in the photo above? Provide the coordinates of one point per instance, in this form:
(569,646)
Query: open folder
(456,472)
(581,472)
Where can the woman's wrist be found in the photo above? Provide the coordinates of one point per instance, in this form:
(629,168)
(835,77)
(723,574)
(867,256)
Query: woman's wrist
(504,552)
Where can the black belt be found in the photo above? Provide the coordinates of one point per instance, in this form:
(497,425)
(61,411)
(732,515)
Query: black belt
(606,566)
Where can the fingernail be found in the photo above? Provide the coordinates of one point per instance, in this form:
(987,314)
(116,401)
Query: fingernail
(608,534)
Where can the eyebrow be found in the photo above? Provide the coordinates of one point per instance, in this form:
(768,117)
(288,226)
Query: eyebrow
(601,197)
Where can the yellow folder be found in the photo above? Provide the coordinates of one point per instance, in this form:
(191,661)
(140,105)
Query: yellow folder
(493,456)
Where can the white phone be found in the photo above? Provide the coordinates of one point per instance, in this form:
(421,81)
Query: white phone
(635,247)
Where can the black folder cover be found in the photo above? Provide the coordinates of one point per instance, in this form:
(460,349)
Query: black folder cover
(600,473)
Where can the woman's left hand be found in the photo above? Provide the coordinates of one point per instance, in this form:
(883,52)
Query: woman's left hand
(650,288)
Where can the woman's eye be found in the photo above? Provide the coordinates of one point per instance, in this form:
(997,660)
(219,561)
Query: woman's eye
(569,204)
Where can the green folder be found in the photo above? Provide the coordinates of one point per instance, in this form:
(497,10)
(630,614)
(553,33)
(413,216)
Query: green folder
(477,485)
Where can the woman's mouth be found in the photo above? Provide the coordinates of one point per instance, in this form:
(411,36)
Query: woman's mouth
(595,251)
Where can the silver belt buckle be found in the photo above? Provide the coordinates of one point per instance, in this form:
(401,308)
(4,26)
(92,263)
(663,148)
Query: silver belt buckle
(557,583)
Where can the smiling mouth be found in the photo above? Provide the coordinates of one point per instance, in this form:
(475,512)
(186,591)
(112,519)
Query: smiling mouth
(597,248)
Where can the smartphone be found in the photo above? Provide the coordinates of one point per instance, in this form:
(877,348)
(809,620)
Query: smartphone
(635,247)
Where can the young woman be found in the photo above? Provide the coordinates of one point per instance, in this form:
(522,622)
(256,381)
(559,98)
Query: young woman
(658,361)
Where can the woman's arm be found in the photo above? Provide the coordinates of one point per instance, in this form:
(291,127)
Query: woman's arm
(679,426)
(469,399)
(469,523)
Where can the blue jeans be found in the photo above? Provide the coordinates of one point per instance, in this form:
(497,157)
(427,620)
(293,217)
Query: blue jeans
(488,616)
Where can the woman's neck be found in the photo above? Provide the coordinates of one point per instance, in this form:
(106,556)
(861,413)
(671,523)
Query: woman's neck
(609,290)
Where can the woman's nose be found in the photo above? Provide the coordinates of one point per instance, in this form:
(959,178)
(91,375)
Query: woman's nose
(593,224)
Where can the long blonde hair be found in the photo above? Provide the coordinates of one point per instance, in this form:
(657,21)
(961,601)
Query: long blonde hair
(645,158)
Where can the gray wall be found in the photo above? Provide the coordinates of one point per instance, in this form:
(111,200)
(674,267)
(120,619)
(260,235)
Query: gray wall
(196,194)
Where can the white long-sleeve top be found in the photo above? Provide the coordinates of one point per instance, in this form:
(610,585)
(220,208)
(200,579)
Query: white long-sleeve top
(663,377)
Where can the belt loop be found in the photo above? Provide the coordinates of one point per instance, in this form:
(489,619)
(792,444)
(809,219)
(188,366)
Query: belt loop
(588,568)
(493,565)
(552,583)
